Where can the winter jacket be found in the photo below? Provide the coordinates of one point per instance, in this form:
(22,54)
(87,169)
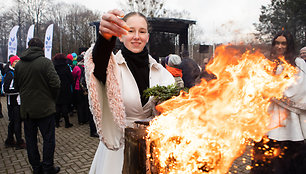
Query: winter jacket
(191,72)
(76,73)
(64,73)
(12,94)
(119,98)
(38,84)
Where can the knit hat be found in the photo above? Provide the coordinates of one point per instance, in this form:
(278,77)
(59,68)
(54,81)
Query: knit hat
(74,55)
(13,59)
(70,57)
(303,49)
(174,60)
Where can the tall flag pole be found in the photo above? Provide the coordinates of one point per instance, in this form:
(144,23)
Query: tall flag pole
(48,41)
(30,34)
(12,42)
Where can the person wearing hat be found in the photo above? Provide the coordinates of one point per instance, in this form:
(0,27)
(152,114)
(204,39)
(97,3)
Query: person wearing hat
(83,108)
(69,57)
(64,99)
(172,65)
(5,68)
(191,71)
(79,93)
(303,53)
(75,57)
(13,108)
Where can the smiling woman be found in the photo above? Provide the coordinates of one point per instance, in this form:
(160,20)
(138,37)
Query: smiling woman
(138,35)
(283,150)
(116,84)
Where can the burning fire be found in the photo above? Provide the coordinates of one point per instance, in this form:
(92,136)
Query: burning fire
(205,130)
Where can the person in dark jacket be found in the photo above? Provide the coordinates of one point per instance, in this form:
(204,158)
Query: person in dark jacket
(1,75)
(38,85)
(13,108)
(191,72)
(83,116)
(4,69)
(65,96)
(83,108)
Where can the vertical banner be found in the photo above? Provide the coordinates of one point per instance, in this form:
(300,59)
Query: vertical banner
(48,41)
(12,42)
(30,34)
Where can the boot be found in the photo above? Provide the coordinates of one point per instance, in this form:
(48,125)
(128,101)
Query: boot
(20,145)
(67,123)
(57,120)
(37,169)
(54,170)
(9,143)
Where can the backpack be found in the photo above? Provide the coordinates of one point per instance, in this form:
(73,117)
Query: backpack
(3,80)
(82,81)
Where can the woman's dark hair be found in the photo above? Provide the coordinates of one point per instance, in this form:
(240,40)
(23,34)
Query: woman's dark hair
(59,56)
(290,49)
(138,14)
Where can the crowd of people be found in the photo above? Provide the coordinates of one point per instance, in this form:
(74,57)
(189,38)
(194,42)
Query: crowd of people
(111,99)
(40,92)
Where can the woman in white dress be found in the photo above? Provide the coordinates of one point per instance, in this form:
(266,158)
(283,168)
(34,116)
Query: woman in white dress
(288,115)
(116,84)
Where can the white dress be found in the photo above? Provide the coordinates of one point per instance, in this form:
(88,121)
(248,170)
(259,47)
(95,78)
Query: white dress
(293,127)
(109,156)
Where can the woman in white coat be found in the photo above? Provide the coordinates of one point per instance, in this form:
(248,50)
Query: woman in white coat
(116,84)
(285,151)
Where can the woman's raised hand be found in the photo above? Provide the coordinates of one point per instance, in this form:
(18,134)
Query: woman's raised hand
(111,24)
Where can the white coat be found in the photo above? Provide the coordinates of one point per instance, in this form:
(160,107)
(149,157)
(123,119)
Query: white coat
(117,105)
(293,127)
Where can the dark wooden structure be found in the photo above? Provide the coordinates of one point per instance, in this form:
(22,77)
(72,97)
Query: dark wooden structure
(163,32)
(175,26)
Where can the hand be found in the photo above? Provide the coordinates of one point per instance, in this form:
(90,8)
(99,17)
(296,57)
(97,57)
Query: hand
(112,25)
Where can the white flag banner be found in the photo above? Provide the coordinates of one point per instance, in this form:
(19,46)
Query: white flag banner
(48,41)
(12,42)
(30,34)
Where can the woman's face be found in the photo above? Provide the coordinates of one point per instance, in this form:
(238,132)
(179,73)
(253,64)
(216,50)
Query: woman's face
(280,45)
(137,36)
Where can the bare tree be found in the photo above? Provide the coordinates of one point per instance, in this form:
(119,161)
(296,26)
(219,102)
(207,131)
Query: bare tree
(37,11)
(150,8)
(58,16)
(5,26)
(9,18)
(72,27)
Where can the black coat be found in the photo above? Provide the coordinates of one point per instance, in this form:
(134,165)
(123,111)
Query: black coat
(9,88)
(190,71)
(64,73)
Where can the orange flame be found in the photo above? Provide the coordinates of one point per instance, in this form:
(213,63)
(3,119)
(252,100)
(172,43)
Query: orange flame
(205,130)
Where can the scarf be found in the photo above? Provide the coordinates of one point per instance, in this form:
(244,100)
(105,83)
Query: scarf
(174,71)
(138,64)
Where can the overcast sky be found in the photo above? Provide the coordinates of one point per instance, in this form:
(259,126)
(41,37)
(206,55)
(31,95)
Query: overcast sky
(220,20)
